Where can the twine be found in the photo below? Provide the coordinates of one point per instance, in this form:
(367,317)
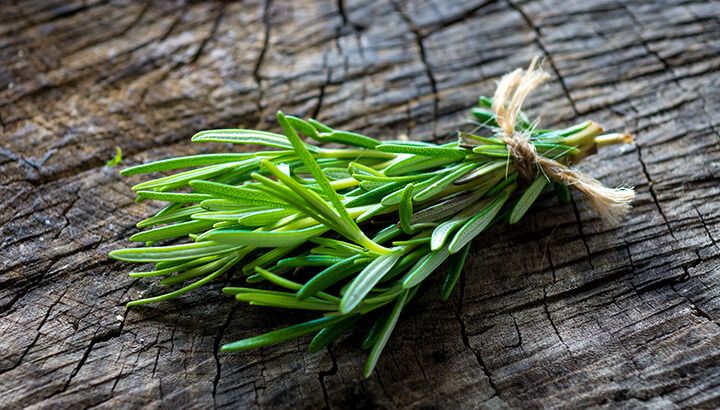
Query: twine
(611,203)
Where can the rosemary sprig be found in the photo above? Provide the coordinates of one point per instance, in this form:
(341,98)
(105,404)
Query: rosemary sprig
(350,232)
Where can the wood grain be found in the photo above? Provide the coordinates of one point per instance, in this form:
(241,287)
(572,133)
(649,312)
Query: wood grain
(558,312)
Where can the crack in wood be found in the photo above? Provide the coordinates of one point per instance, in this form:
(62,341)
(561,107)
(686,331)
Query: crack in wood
(326,373)
(103,337)
(260,59)
(216,349)
(417,35)
(547,54)
(466,339)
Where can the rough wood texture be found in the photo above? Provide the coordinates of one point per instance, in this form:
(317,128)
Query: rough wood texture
(560,311)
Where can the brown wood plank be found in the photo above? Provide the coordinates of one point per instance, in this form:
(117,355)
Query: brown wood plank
(560,311)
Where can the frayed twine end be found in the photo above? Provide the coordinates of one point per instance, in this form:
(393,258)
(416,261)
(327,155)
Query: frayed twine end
(612,204)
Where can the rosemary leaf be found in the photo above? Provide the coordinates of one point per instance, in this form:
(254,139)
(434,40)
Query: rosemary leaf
(384,335)
(406,209)
(425,267)
(428,151)
(281,335)
(527,198)
(263,239)
(478,223)
(332,332)
(173,252)
(238,136)
(367,279)
(456,263)
(330,276)
(185,162)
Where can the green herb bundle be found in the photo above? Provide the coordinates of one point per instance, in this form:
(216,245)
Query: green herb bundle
(350,233)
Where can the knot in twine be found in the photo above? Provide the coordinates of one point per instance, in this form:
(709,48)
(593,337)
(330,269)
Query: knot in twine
(611,203)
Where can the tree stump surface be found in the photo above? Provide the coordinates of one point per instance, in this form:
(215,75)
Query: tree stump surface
(559,311)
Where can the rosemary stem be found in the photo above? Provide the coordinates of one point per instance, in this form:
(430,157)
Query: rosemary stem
(372,245)
(584,137)
(358,210)
(344,183)
(610,139)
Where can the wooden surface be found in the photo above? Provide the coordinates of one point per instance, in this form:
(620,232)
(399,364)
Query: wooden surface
(560,311)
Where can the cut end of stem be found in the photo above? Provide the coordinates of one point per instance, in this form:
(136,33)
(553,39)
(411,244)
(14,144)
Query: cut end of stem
(617,138)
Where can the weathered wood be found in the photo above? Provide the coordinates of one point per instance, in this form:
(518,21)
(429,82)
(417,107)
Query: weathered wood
(560,311)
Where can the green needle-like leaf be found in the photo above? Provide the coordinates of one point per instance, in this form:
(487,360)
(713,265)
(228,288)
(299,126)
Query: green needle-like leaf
(563,192)
(428,151)
(425,267)
(184,162)
(367,279)
(528,198)
(384,335)
(448,207)
(374,332)
(286,302)
(175,268)
(174,252)
(263,239)
(310,260)
(479,171)
(445,229)
(411,163)
(239,136)
(267,258)
(179,197)
(116,159)
(172,215)
(171,231)
(331,276)
(315,170)
(438,186)
(559,135)
(347,138)
(303,126)
(281,335)
(406,209)
(218,216)
(332,332)
(496,151)
(264,217)
(288,284)
(186,289)
(196,271)
(478,223)
(395,197)
(375,195)
(243,195)
(456,263)
(183,178)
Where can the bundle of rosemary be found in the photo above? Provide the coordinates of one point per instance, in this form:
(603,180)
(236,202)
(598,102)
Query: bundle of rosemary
(352,233)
